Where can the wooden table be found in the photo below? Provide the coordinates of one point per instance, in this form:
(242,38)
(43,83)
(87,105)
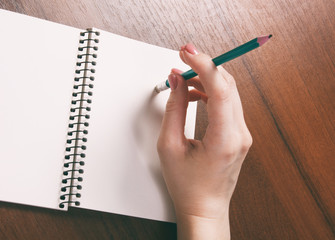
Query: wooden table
(286,188)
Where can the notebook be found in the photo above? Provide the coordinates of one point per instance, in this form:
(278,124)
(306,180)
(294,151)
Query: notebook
(79,119)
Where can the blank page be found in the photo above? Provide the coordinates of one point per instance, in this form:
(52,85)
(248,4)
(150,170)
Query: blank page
(122,169)
(36,80)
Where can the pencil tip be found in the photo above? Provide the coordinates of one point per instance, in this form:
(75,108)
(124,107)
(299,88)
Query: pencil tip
(156,89)
(263,39)
(154,93)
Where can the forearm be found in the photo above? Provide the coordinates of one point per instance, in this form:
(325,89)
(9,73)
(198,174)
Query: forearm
(190,227)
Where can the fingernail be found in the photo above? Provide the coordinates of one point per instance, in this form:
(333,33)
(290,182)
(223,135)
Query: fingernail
(176,71)
(190,48)
(173,81)
(182,48)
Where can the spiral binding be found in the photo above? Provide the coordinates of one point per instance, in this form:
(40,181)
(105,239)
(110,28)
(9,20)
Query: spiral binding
(79,116)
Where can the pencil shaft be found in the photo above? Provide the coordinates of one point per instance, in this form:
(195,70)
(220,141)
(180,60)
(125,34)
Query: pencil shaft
(234,54)
(253,41)
(228,56)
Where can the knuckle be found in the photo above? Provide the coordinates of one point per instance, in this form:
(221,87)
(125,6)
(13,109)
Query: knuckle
(230,80)
(231,147)
(176,102)
(171,105)
(166,145)
(224,89)
(246,142)
(237,143)
(226,75)
(205,65)
(221,94)
(230,152)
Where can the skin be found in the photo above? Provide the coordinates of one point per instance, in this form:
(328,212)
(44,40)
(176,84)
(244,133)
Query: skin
(201,175)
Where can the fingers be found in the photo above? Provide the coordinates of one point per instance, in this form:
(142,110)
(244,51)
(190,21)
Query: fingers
(195,95)
(215,82)
(176,71)
(172,130)
(202,64)
(194,82)
(225,114)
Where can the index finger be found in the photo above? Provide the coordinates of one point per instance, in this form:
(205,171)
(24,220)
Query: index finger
(220,88)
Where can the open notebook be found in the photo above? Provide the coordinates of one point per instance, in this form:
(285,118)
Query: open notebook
(79,121)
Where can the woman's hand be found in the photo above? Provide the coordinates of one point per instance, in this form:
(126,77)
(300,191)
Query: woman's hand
(201,175)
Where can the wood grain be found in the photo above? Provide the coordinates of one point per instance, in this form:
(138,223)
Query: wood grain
(286,188)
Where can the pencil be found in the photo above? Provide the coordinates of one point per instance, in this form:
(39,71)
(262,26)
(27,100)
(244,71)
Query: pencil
(228,56)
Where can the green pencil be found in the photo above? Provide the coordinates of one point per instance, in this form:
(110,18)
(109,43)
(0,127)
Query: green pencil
(236,52)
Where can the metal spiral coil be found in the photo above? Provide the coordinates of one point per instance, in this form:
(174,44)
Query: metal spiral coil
(79,114)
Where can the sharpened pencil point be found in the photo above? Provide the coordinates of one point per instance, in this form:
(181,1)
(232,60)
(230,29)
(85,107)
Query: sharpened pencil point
(263,39)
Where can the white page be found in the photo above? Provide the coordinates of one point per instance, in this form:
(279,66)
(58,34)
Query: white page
(122,169)
(36,81)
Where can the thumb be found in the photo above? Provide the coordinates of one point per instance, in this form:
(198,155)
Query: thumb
(172,130)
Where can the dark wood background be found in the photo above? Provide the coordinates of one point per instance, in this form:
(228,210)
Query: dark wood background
(286,188)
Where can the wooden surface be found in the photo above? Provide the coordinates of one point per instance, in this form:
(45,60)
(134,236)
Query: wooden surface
(286,188)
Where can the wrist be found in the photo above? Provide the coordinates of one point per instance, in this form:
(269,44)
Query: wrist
(202,227)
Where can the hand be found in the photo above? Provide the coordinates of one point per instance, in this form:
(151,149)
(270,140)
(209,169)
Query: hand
(201,175)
